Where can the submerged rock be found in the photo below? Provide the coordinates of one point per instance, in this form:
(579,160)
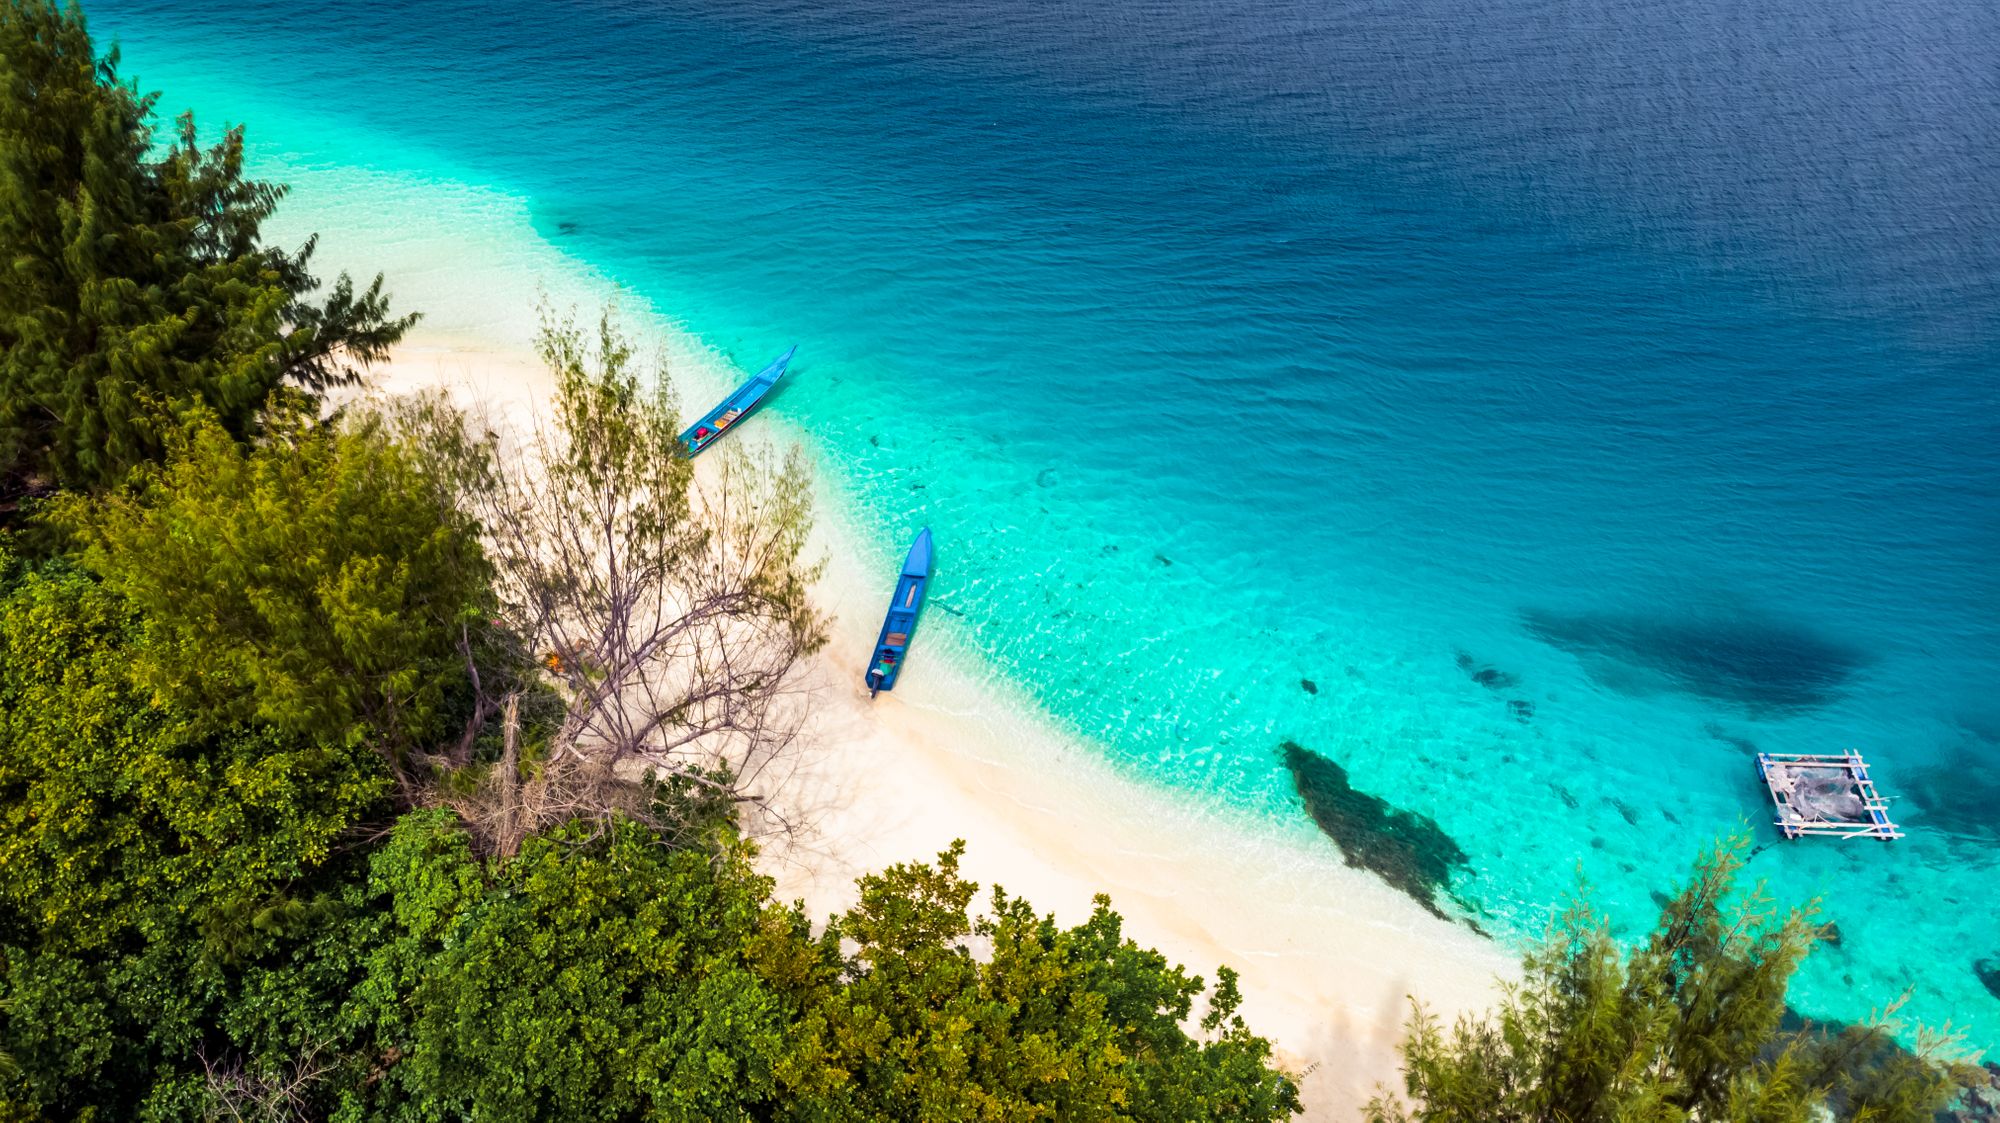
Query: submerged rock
(1406,849)
(1309,686)
(1486,675)
(1988,971)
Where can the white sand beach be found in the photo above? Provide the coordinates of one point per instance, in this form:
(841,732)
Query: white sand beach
(1327,954)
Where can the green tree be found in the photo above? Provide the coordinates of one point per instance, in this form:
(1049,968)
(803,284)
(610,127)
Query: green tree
(1051,1023)
(146,858)
(317,580)
(1687,1026)
(137,288)
(602,976)
(593,976)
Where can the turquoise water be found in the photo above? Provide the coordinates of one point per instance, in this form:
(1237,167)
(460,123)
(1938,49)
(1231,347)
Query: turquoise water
(1271,370)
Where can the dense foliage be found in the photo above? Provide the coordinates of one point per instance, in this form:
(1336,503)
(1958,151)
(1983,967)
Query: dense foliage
(1690,1025)
(1047,1023)
(136,288)
(317,580)
(607,977)
(150,861)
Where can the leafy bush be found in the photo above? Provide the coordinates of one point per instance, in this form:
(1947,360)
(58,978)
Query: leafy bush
(316,580)
(145,857)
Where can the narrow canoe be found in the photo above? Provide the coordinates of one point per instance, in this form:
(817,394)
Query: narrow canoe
(893,645)
(717,421)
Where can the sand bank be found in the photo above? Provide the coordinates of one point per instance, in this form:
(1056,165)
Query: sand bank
(1327,954)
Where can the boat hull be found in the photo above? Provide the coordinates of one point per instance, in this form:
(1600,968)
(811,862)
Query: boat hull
(735,407)
(899,624)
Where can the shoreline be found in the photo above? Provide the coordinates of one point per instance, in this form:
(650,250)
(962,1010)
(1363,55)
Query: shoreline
(1327,954)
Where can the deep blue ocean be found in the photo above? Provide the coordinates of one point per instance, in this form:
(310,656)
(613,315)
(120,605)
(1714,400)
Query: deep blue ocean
(1530,405)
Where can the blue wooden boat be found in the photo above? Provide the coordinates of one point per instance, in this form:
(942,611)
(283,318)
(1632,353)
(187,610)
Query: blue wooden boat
(717,421)
(893,645)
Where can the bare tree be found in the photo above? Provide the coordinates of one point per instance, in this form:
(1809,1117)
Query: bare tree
(238,1093)
(668,608)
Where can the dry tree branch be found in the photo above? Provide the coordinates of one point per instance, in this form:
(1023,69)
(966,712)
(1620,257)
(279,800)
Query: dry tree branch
(240,1094)
(667,609)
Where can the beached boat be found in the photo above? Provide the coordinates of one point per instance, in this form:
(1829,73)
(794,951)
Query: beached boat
(717,421)
(893,645)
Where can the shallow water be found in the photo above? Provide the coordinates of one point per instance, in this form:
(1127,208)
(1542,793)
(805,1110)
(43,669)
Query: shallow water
(1528,406)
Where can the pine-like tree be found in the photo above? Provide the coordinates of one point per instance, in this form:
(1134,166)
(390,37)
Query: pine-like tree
(1689,1026)
(135,286)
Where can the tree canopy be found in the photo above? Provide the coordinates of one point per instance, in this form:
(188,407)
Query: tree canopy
(137,287)
(1007,1015)
(317,580)
(146,857)
(1688,1025)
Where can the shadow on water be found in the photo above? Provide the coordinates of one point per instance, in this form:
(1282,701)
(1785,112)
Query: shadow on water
(1407,850)
(1758,663)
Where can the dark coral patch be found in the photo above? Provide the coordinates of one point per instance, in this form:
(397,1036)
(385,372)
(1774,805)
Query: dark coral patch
(1988,971)
(1407,850)
(1309,686)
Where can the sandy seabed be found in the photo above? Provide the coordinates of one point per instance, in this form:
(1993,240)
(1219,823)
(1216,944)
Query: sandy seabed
(1329,956)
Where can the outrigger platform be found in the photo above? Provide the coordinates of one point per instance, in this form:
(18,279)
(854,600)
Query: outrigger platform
(1825,794)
